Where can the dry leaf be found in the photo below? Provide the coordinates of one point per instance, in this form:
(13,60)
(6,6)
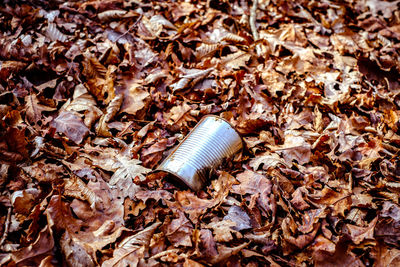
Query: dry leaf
(136,100)
(74,187)
(126,172)
(111,15)
(34,109)
(112,109)
(191,77)
(70,125)
(236,60)
(54,34)
(132,248)
(95,94)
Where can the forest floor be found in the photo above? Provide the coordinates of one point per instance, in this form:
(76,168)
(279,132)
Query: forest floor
(95,94)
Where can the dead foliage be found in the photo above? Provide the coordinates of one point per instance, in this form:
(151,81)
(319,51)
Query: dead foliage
(94,94)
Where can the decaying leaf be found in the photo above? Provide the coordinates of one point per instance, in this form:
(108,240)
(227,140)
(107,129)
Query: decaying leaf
(225,252)
(126,172)
(132,248)
(239,217)
(257,185)
(70,125)
(54,34)
(136,100)
(179,231)
(112,109)
(95,94)
(32,254)
(223,230)
(74,251)
(74,187)
(111,15)
(191,77)
(236,60)
(34,109)
(207,49)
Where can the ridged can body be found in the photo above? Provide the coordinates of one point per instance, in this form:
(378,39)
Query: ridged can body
(203,149)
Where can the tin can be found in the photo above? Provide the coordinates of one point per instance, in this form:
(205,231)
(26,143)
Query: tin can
(211,141)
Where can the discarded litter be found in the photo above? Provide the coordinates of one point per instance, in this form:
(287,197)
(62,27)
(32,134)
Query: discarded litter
(211,141)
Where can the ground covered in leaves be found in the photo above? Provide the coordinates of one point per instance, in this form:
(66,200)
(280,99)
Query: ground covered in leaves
(94,95)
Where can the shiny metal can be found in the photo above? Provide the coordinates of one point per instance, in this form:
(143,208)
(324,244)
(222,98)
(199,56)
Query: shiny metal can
(211,141)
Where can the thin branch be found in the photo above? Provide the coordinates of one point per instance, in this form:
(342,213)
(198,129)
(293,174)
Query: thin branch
(7,225)
(252,20)
(130,28)
(253,27)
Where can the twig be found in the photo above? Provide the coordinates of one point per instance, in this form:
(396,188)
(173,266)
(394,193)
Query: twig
(130,28)
(253,27)
(252,20)
(7,225)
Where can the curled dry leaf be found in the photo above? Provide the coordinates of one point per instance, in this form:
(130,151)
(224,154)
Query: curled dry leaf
(208,247)
(207,50)
(100,80)
(191,204)
(74,251)
(153,26)
(234,38)
(225,252)
(74,187)
(295,148)
(112,109)
(155,76)
(44,172)
(92,68)
(267,161)
(111,15)
(191,263)
(301,240)
(13,146)
(54,34)
(359,234)
(156,195)
(153,154)
(132,248)
(9,67)
(385,256)
(342,257)
(191,77)
(24,200)
(85,103)
(163,21)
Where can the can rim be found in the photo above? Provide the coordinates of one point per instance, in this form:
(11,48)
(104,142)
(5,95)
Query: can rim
(176,177)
